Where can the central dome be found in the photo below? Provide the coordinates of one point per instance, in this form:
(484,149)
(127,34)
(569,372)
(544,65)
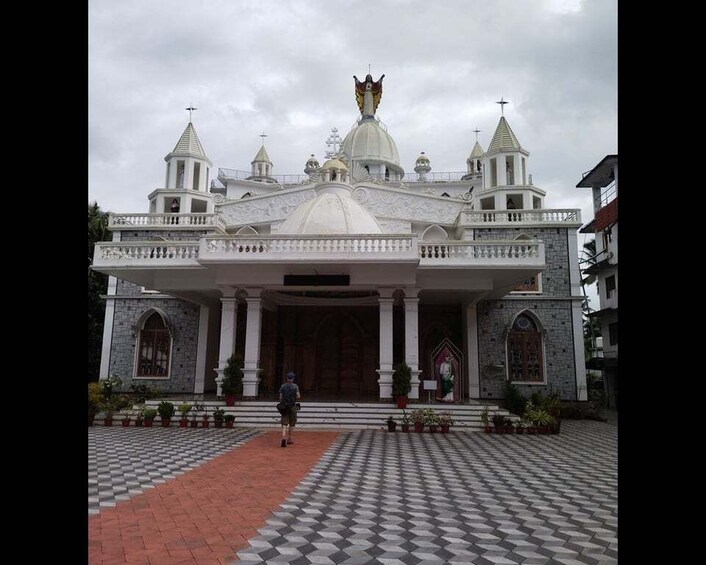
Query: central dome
(333,212)
(368,144)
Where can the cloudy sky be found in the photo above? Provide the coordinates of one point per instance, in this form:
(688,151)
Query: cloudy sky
(286,68)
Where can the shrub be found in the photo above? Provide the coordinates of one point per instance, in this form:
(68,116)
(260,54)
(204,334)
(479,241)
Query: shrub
(233,376)
(401,380)
(515,402)
(165,409)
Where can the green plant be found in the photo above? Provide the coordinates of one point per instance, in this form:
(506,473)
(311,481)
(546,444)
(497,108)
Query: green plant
(232,382)
(390,420)
(184,409)
(139,415)
(405,420)
(499,421)
(418,416)
(229,417)
(401,380)
(95,397)
(196,409)
(142,392)
(515,402)
(218,414)
(446,419)
(166,410)
(541,417)
(110,384)
(484,416)
(431,417)
(150,413)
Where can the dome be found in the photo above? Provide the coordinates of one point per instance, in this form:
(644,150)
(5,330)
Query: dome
(370,143)
(330,213)
(334,164)
(312,162)
(422,159)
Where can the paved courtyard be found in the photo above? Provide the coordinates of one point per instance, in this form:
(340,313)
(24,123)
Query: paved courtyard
(361,496)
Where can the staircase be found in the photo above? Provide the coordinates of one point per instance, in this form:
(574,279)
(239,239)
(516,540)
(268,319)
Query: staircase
(340,415)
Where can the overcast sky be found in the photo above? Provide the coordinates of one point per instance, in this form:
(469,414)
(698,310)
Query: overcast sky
(286,68)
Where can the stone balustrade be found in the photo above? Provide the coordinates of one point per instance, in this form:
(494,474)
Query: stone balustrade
(482,253)
(153,253)
(484,218)
(161,221)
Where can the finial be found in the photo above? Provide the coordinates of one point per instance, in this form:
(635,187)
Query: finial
(477,131)
(263,135)
(334,142)
(190,109)
(502,103)
(368,68)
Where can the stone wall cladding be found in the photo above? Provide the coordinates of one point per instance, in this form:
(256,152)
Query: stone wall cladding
(494,319)
(184,318)
(555,278)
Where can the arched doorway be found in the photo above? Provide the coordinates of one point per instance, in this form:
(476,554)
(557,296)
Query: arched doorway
(339,352)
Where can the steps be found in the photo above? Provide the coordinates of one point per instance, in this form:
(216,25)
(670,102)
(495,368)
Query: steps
(335,415)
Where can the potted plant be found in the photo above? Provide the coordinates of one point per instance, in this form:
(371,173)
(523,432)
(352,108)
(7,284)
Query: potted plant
(484,419)
(108,407)
(229,419)
(499,423)
(184,409)
(542,420)
(204,417)
(166,411)
(552,404)
(150,415)
(195,410)
(232,382)
(218,415)
(405,421)
(125,420)
(431,419)
(519,427)
(418,420)
(95,398)
(391,424)
(401,384)
(445,422)
(139,416)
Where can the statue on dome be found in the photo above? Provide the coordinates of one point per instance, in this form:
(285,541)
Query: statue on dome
(368,94)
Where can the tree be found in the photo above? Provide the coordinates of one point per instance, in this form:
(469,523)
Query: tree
(591,325)
(97,285)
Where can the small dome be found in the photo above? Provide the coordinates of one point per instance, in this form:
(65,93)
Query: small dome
(334,164)
(330,213)
(312,162)
(368,142)
(422,159)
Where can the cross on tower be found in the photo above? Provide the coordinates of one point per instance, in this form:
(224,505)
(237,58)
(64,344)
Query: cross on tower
(190,109)
(477,131)
(334,142)
(263,135)
(502,103)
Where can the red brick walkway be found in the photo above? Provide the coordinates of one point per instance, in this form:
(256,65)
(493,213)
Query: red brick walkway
(204,516)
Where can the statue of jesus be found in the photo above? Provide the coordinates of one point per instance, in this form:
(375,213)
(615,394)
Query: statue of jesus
(368,94)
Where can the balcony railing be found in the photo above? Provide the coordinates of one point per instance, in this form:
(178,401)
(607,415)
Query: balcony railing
(157,253)
(524,217)
(482,253)
(161,221)
(313,247)
(233,174)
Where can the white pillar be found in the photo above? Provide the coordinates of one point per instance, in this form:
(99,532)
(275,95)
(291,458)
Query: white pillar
(411,338)
(200,379)
(229,313)
(579,353)
(252,369)
(385,371)
(108,322)
(471,325)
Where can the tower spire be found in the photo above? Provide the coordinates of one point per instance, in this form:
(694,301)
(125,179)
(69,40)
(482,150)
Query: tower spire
(502,104)
(190,109)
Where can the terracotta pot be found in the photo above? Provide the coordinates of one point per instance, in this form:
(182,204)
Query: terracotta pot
(125,423)
(445,429)
(139,423)
(230,400)
(148,423)
(183,423)
(402,402)
(405,428)
(108,422)
(204,423)
(166,422)
(432,429)
(488,429)
(531,430)
(229,423)
(419,428)
(218,423)
(520,430)
(193,424)
(392,427)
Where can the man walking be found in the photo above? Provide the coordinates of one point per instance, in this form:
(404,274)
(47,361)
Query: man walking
(289,394)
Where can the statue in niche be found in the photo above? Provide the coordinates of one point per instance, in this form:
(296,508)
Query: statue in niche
(447,372)
(368,94)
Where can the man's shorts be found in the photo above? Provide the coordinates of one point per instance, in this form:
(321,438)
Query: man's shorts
(290,418)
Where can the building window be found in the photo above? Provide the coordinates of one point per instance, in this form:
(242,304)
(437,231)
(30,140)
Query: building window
(609,285)
(524,348)
(155,346)
(197,175)
(180,174)
(613,333)
(528,285)
(493,172)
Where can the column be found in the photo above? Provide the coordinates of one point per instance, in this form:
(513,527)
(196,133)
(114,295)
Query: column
(229,313)
(252,369)
(108,322)
(385,371)
(411,337)
(200,379)
(471,327)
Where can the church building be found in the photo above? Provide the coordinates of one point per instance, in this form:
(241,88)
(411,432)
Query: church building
(345,270)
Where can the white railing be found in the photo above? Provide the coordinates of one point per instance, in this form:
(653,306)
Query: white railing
(524,217)
(482,252)
(318,247)
(164,220)
(234,174)
(157,253)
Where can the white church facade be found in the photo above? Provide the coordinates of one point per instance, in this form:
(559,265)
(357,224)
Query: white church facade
(344,271)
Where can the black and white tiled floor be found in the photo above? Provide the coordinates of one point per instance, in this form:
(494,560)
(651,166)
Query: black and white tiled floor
(471,498)
(123,462)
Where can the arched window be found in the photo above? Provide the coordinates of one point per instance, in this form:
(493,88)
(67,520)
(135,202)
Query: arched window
(524,351)
(155,347)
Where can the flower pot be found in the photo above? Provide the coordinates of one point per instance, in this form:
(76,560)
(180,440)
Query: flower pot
(108,422)
(148,423)
(432,429)
(218,423)
(392,426)
(230,400)
(193,424)
(405,428)
(531,430)
(204,423)
(229,423)
(183,423)
(520,430)
(166,422)
(499,429)
(139,423)
(419,428)
(125,423)
(402,402)
(445,429)
(488,429)
(509,429)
